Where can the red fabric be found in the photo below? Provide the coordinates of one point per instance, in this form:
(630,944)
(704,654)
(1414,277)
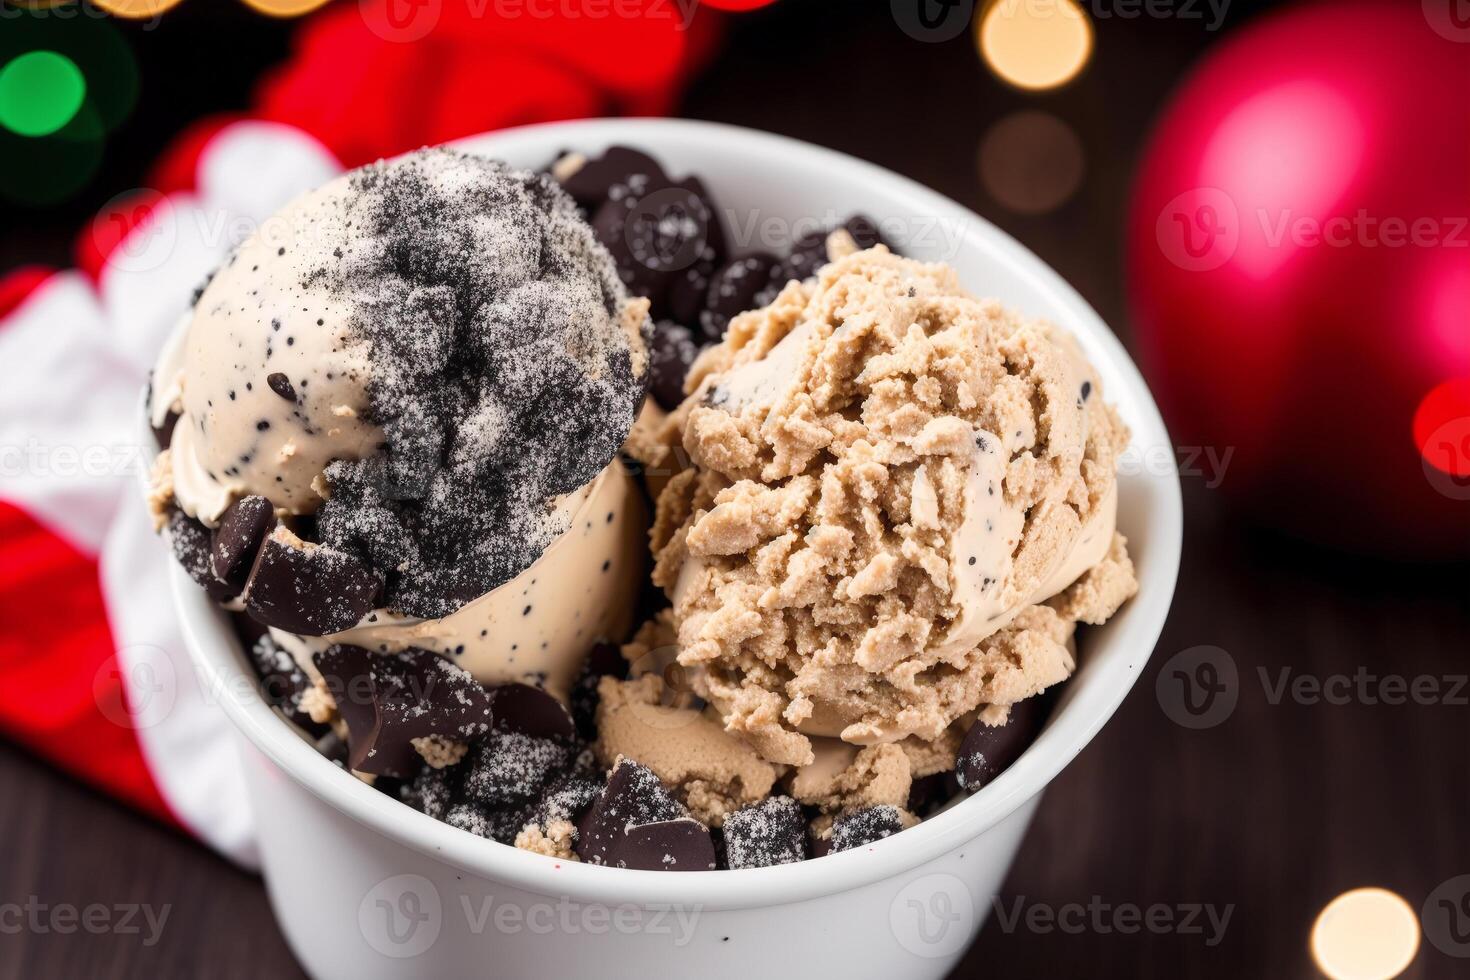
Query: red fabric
(367,94)
(104,233)
(19,283)
(60,691)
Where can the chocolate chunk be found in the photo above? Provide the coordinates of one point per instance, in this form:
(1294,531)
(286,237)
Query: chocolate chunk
(733,289)
(603,660)
(988,750)
(857,828)
(808,254)
(282,681)
(591,184)
(281,385)
(389,699)
(673,351)
(308,589)
(432,791)
(528,710)
(242,528)
(928,793)
(633,797)
(482,822)
(682,844)
(864,231)
(189,540)
(568,798)
(764,834)
(620,226)
(510,769)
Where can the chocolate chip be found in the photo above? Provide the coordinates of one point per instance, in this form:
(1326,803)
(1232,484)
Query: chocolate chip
(808,254)
(928,793)
(1086,390)
(864,231)
(858,828)
(673,351)
(282,681)
(590,185)
(764,834)
(988,750)
(617,224)
(733,289)
(432,791)
(389,699)
(509,769)
(682,844)
(189,540)
(281,385)
(242,527)
(633,798)
(529,710)
(308,589)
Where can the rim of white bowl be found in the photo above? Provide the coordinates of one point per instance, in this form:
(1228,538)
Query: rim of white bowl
(1079,716)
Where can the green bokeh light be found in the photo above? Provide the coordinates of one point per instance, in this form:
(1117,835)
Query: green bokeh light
(40,92)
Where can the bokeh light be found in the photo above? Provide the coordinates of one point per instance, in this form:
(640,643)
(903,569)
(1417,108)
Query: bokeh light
(40,92)
(1365,934)
(285,8)
(136,9)
(1031,162)
(1035,44)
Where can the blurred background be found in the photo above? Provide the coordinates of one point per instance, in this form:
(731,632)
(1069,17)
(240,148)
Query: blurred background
(1269,202)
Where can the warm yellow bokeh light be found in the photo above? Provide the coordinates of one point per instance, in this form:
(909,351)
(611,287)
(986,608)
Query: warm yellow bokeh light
(285,8)
(1365,934)
(1035,44)
(136,9)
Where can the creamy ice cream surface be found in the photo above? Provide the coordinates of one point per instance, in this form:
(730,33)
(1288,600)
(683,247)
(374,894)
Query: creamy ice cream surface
(899,502)
(426,367)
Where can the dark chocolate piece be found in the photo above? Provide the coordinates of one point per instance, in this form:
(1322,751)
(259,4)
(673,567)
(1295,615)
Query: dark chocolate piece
(682,844)
(633,797)
(242,527)
(389,699)
(764,834)
(432,791)
(733,289)
(510,769)
(988,750)
(673,351)
(858,828)
(528,710)
(282,386)
(190,543)
(308,589)
(590,185)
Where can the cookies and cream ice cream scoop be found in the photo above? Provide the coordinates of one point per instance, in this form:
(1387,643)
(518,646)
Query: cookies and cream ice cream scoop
(426,369)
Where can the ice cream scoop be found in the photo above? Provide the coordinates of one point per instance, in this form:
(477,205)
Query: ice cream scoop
(901,498)
(426,368)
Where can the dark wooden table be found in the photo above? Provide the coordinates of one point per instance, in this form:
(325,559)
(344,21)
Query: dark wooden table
(1270,813)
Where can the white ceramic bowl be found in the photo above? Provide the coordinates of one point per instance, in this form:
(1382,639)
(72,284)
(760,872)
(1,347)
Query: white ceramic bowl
(365,887)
